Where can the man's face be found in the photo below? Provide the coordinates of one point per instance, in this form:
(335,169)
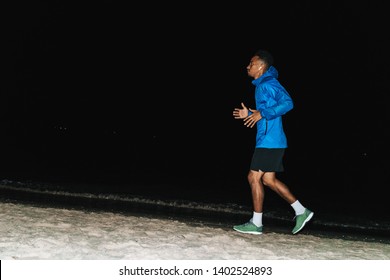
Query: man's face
(255,67)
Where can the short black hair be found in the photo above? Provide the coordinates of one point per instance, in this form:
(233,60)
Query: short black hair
(265,56)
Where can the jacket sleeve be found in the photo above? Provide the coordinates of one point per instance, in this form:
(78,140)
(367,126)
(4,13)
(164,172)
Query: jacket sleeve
(282,103)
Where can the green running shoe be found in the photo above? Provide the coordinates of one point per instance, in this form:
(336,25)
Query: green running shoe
(301,220)
(249,227)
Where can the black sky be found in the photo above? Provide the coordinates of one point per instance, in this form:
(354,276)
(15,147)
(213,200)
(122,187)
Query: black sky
(129,85)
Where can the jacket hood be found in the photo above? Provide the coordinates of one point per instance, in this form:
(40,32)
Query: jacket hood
(271,72)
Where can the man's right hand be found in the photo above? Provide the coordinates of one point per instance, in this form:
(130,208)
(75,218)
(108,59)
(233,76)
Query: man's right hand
(240,113)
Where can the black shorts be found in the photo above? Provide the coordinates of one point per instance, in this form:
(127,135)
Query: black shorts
(268,160)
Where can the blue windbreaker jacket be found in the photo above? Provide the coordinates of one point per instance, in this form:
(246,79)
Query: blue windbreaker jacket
(273,101)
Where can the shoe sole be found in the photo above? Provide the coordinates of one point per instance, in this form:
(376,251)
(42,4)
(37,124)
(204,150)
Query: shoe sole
(248,232)
(305,222)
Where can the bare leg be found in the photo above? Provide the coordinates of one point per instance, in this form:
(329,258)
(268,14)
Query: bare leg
(270,180)
(257,188)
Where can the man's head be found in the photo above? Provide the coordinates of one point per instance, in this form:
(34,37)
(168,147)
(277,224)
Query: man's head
(259,63)
(265,57)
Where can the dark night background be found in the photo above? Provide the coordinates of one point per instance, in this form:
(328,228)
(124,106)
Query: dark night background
(122,95)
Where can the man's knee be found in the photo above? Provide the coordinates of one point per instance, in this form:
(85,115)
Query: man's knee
(269,181)
(253,176)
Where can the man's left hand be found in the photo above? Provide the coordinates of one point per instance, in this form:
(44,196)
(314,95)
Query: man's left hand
(251,120)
